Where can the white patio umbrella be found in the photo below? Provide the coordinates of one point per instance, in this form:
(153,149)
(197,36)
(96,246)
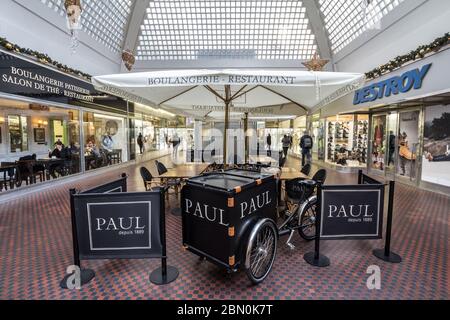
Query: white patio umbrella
(202,93)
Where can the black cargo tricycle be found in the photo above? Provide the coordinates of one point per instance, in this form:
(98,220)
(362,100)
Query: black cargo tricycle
(229,218)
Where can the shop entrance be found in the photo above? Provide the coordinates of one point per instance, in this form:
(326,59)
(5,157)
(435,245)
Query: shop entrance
(395,145)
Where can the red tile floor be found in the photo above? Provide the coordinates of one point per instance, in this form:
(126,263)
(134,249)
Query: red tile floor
(36,248)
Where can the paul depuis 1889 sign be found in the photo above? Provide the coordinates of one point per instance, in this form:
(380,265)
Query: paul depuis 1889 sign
(351,212)
(118,225)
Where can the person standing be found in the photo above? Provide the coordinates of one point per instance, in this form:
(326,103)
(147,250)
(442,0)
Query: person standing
(306,144)
(140,141)
(176,143)
(391,147)
(269,145)
(286,142)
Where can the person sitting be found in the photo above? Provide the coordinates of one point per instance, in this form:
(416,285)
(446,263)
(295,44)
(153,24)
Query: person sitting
(92,152)
(58,153)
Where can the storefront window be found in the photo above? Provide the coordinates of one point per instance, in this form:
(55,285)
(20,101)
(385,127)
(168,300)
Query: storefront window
(378,142)
(299,129)
(436,158)
(38,142)
(347,140)
(318,135)
(18,133)
(408,140)
(146,128)
(361,138)
(105,140)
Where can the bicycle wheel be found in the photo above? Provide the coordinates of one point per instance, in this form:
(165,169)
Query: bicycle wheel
(261,250)
(307,221)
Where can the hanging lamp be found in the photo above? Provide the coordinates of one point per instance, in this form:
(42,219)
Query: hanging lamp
(74,10)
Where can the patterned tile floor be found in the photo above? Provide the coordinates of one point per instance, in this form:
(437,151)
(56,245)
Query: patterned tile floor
(35,249)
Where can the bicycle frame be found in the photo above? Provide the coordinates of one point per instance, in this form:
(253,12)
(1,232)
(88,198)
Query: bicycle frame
(285,228)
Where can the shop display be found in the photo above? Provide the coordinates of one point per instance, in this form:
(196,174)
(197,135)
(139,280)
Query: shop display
(378,142)
(408,143)
(347,139)
(330,141)
(436,157)
(318,135)
(361,141)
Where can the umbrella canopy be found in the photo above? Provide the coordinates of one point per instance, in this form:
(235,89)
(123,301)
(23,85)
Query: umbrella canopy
(207,93)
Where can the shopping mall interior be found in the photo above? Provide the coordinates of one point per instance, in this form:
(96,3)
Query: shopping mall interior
(224,150)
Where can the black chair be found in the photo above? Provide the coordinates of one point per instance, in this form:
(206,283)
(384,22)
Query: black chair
(168,183)
(160,167)
(320,176)
(282,162)
(148,179)
(306,169)
(38,169)
(26,167)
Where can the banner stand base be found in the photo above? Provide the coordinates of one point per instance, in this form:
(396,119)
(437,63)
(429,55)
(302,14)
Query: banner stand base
(86,275)
(156,277)
(392,257)
(322,262)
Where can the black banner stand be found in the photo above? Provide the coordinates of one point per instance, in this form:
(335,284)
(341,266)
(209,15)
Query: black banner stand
(385,253)
(86,275)
(165,274)
(315,258)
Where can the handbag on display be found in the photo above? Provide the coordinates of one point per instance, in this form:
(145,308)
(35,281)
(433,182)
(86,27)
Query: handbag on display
(406,153)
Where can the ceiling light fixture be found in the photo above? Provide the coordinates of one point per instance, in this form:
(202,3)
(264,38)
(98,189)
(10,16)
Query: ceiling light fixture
(74,10)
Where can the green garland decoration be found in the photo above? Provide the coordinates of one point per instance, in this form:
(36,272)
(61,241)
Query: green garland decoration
(42,58)
(396,63)
(414,55)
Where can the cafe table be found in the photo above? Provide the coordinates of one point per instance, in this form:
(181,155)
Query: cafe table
(291,173)
(263,159)
(5,169)
(183,171)
(46,163)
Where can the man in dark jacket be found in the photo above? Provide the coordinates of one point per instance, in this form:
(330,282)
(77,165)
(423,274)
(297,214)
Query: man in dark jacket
(140,141)
(60,153)
(269,144)
(306,144)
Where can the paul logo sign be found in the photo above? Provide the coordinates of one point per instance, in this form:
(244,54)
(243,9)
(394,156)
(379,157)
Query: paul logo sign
(118,226)
(352,213)
(217,215)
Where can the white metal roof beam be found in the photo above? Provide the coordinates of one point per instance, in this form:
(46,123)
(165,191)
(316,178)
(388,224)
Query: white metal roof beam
(138,13)
(318,29)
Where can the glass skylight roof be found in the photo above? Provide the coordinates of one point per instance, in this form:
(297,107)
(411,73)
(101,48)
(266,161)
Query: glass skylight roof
(345,20)
(198,29)
(103,20)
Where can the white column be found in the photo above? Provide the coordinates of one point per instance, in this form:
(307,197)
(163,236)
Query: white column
(198,140)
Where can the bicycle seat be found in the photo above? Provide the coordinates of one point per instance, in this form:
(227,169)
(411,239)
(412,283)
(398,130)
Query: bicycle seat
(308,183)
